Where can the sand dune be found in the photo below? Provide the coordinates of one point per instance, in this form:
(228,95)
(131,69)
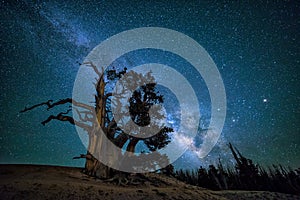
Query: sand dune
(52,182)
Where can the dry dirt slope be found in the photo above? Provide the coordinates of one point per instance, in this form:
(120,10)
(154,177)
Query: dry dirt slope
(52,182)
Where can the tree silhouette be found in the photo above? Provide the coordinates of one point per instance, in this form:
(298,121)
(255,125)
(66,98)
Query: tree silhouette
(99,122)
(245,176)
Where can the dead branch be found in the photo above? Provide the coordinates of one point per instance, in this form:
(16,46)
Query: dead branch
(95,68)
(63,117)
(85,118)
(60,102)
(79,157)
(87,156)
(48,103)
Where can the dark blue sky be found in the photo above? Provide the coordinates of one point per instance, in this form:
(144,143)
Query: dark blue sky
(254,45)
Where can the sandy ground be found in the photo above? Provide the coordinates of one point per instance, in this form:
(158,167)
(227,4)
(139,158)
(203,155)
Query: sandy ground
(52,182)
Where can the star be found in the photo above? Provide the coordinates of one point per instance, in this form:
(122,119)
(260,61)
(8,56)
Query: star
(256,53)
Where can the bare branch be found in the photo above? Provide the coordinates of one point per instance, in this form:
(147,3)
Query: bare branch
(90,109)
(94,67)
(87,156)
(62,117)
(60,102)
(85,118)
(37,105)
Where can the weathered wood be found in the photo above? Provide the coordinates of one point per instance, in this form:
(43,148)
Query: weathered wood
(103,131)
(50,105)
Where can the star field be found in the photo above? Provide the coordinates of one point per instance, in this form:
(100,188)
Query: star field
(254,45)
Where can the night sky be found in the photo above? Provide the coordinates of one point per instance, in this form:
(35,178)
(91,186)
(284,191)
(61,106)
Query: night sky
(254,45)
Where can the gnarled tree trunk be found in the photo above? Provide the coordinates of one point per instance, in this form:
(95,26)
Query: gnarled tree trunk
(102,129)
(98,141)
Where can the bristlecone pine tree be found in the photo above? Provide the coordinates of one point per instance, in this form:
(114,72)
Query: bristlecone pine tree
(98,122)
